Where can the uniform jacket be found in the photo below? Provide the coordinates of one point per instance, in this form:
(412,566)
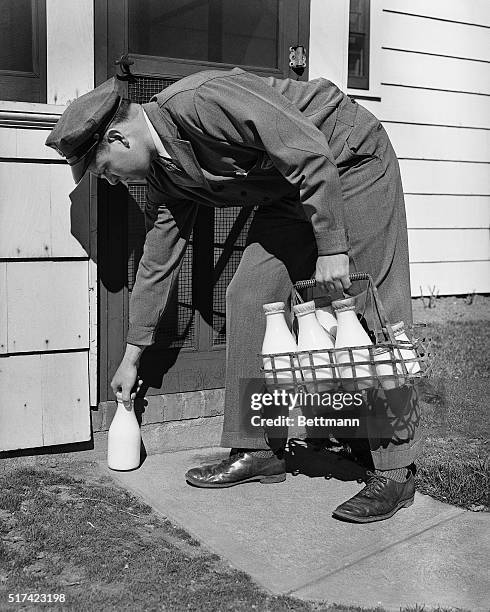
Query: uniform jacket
(236,139)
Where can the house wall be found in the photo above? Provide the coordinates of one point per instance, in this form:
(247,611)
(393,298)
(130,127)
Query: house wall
(429,71)
(47,281)
(430,89)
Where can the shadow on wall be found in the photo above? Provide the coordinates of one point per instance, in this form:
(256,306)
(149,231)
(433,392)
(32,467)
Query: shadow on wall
(110,225)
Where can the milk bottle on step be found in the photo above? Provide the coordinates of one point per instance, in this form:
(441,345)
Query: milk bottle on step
(124,438)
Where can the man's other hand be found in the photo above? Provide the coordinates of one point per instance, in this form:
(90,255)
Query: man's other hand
(332,273)
(124,380)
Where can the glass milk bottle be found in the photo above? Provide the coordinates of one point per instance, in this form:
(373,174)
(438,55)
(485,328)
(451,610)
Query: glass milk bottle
(278,339)
(406,353)
(386,367)
(350,333)
(124,438)
(327,319)
(312,336)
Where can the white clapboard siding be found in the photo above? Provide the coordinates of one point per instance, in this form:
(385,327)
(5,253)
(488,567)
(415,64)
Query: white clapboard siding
(8,142)
(66,404)
(437,142)
(3,307)
(418,70)
(47,304)
(25,144)
(35,211)
(21,406)
(445,177)
(450,277)
(430,107)
(468,11)
(448,245)
(44,400)
(401,31)
(24,210)
(447,211)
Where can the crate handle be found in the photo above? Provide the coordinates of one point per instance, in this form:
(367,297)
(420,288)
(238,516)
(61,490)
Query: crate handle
(371,289)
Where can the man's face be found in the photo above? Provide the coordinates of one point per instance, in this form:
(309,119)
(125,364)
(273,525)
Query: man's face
(121,159)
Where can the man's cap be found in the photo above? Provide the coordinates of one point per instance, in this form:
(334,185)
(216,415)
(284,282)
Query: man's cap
(81,127)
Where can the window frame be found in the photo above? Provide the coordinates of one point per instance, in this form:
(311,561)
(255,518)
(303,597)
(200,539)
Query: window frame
(19,86)
(375,21)
(359,81)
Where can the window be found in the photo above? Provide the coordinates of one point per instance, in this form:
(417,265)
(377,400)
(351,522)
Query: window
(358,75)
(23,50)
(206,30)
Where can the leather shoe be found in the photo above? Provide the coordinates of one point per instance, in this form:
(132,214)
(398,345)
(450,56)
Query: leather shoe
(379,500)
(238,468)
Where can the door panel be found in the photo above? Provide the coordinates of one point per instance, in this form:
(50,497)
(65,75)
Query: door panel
(167,41)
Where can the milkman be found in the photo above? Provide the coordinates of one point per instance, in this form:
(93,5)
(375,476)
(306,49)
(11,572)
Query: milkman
(326,183)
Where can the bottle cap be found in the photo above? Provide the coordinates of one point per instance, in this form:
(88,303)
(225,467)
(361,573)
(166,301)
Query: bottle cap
(273,307)
(398,328)
(304,308)
(347,304)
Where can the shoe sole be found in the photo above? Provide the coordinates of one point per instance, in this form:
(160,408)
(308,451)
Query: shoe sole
(223,485)
(371,519)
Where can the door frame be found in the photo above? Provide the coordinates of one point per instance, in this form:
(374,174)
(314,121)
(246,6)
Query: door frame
(112,229)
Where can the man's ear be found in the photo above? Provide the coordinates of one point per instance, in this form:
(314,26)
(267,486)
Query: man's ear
(114,134)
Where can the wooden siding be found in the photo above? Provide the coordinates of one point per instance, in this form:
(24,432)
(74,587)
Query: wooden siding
(46,278)
(44,400)
(471,276)
(35,209)
(435,88)
(47,304)
(440,211)
(439,142)
(430,87)
(430,107)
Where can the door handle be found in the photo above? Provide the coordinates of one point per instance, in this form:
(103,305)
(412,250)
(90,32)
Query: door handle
(124,63)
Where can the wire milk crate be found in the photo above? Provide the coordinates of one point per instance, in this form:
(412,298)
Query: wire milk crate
(391,361)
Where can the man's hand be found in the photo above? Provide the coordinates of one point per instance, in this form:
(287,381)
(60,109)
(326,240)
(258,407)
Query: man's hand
(125,377)
(332,272)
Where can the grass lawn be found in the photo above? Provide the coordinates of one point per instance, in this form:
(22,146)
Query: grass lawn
(69,530)
(454,465)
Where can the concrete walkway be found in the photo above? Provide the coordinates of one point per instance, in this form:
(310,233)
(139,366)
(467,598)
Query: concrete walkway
(284,536)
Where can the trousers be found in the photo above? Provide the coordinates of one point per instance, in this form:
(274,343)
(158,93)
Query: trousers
(280,249)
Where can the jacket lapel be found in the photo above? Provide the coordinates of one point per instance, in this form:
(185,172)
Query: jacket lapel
(188,171)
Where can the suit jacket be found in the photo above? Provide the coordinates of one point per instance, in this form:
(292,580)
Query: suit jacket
(235,139)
